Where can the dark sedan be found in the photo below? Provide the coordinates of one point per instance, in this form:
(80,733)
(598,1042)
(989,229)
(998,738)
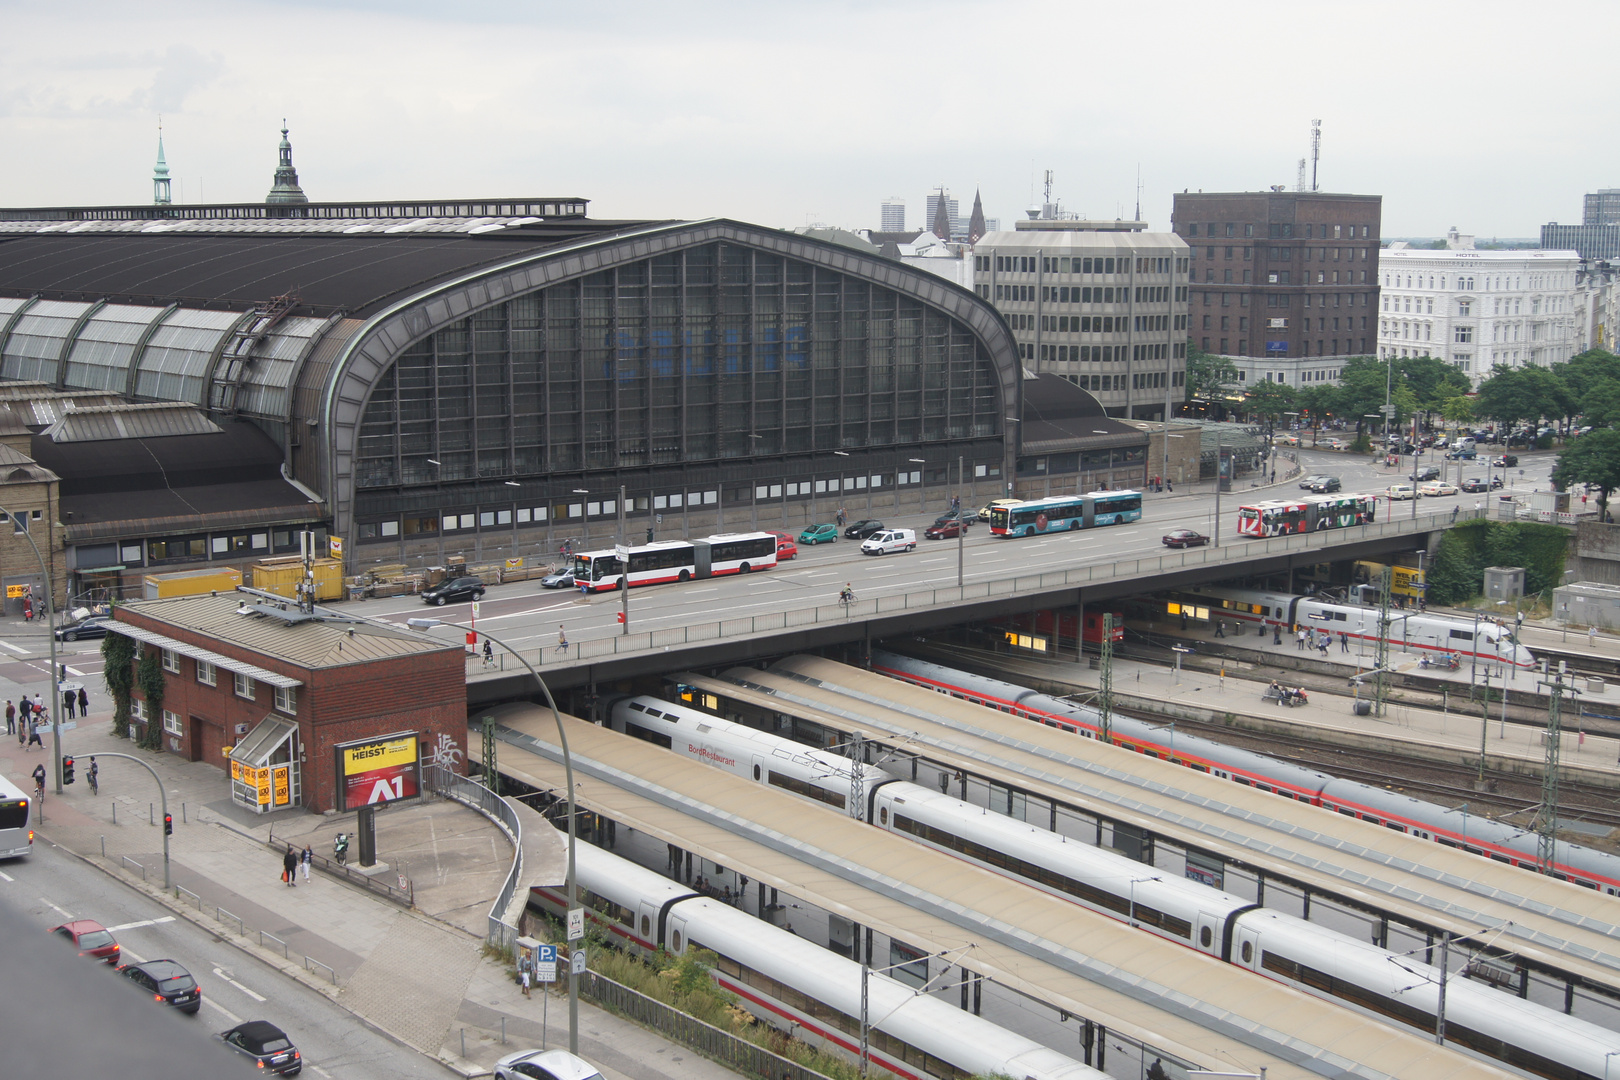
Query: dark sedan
(167,982)
(1505,461)
(863,528)
(93,627)
(948,529)
(453,591)
(1184,538)
(1474,483)
(267,1045)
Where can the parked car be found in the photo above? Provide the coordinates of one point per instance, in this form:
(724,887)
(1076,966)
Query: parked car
(1505,461)
(454,590)
(966,517)
(559,579)
(544,1065)
(167,982)
(863,528)
(824,533)
(1474,483)
(1428,472)
(984,511)
(1332,444)
(1396,492)
(785,547)
(267,1045)
(1286,438)
(91,939)
(1305,482)
(1184,538)
(888,541)
(946,529)
(93,627)
(1325,484)
(1435,488)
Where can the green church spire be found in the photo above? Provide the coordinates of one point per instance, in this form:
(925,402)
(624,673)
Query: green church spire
(286,189)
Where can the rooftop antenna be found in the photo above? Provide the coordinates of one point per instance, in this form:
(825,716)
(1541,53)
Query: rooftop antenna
(1299,182)
(1138,216)
(1316,150)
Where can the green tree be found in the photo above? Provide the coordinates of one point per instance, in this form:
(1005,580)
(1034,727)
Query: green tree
(1582,372)
(1267,400)
(1520,395)
(1600,402)
(149,677)
(1592,459)
(1209,375)
(118,673)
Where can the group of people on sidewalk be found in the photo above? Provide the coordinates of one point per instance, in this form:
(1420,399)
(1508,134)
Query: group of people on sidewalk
(291,861)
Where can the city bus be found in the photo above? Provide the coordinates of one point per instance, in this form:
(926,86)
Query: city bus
(16,820)
(1280,517)
(677,560)
(1062,513)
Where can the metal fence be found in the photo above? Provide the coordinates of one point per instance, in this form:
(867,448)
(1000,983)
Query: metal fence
(470,792)
(737,1054)
(403,894)
(946,598)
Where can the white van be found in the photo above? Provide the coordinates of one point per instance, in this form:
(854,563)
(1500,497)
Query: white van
(889,540)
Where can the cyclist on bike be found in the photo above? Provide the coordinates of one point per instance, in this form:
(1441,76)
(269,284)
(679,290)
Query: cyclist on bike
(846,595)
(39,780)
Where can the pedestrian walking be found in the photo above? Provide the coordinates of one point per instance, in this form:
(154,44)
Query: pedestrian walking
(69,701)
(11,716)
(1220,627)
(1344,641)
(33,737)
(843,518)
(1299,640)
(562,640)
(28,609)
(289,867)
(1276,633)
(489,653)
(306,859)
(39,704)
(1591,637)
(523,973)
(84,703)
(1322,643)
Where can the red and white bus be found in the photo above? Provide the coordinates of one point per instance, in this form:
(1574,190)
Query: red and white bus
(677,560)
(1280,517)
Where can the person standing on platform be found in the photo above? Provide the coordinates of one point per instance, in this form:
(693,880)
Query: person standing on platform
(1591,637)
(69,701)
(11,718)
(84,703)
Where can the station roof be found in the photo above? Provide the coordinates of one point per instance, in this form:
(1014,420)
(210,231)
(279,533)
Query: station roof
(1059,416)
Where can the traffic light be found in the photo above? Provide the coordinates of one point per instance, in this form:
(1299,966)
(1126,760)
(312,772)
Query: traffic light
(67,768)
(168,824)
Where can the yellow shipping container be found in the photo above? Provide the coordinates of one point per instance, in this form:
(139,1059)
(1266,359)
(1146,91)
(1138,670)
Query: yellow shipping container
(190,582)
(281,576)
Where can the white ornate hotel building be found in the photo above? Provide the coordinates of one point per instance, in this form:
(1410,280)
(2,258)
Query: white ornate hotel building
(1476,309)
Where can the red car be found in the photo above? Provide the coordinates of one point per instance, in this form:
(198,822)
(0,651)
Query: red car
(785,547)
(1184,538)
(91,938)
(947,530)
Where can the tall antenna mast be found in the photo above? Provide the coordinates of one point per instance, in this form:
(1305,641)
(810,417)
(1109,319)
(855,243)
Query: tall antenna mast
(1316,150)
(1299,181)
(1138,216)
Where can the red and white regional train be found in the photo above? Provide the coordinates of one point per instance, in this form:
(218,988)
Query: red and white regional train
(1322,962)
(1456,829)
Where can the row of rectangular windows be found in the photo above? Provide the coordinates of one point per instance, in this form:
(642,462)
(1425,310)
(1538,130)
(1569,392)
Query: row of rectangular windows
(1064,354)
(1280,230)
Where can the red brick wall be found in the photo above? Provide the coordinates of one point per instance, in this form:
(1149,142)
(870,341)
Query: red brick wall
(423,693)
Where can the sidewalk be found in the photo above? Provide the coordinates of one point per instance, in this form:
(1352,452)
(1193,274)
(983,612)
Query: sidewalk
(419,975)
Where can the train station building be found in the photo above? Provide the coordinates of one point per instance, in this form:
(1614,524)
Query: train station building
(484,377)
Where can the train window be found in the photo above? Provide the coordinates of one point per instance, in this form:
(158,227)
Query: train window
(1397,826)
(1248,952)
(1242,780)
(883,816)
(1500,858)
(1583,883)
(756,772)
(1206,936)
(646,927)
(1346,811)
(675,941)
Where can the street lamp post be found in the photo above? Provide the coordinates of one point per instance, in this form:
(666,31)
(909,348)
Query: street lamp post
(1220,453)
(573,836)
(52,680)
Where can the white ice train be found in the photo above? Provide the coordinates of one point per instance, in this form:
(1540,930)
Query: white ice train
(1478,835)
(795,984)
(1320,961)
(1413,631)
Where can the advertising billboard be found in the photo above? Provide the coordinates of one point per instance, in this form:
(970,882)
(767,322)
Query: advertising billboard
(378,770)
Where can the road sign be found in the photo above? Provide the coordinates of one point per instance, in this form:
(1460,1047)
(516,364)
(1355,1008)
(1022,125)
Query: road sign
(475,609)
(576,960)
(576,924)
(545,963)
(622,551)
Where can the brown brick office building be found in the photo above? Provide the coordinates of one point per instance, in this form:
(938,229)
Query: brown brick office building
(298,710)
(1284,283)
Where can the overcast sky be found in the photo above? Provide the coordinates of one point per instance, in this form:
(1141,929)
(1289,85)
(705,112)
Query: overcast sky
(1490,115)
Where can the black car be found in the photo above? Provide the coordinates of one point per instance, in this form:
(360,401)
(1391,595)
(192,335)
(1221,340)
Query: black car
(92,627)
(1505,461)
(864,528)
(167,982)
(1325,484)
(1428,472)
(267,1045)
(454,590)
(1474,483)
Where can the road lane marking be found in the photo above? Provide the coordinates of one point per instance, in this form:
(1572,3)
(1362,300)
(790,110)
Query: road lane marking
(66,914)
(143,922)
(13,648)
(232,1017)
(221,973)
(6,876)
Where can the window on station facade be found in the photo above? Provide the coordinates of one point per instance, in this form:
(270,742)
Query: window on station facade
(718,352)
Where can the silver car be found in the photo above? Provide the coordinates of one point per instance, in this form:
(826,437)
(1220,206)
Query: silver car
(545,1065)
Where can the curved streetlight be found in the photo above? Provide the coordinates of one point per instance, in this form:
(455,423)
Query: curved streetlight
(573,837)
(50,620)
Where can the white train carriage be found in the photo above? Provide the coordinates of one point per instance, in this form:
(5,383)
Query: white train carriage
(799,986)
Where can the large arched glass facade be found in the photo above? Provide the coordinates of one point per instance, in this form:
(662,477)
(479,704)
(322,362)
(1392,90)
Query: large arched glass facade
(697,357)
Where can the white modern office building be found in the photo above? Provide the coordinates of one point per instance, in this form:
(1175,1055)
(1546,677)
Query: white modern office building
(1476,309)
